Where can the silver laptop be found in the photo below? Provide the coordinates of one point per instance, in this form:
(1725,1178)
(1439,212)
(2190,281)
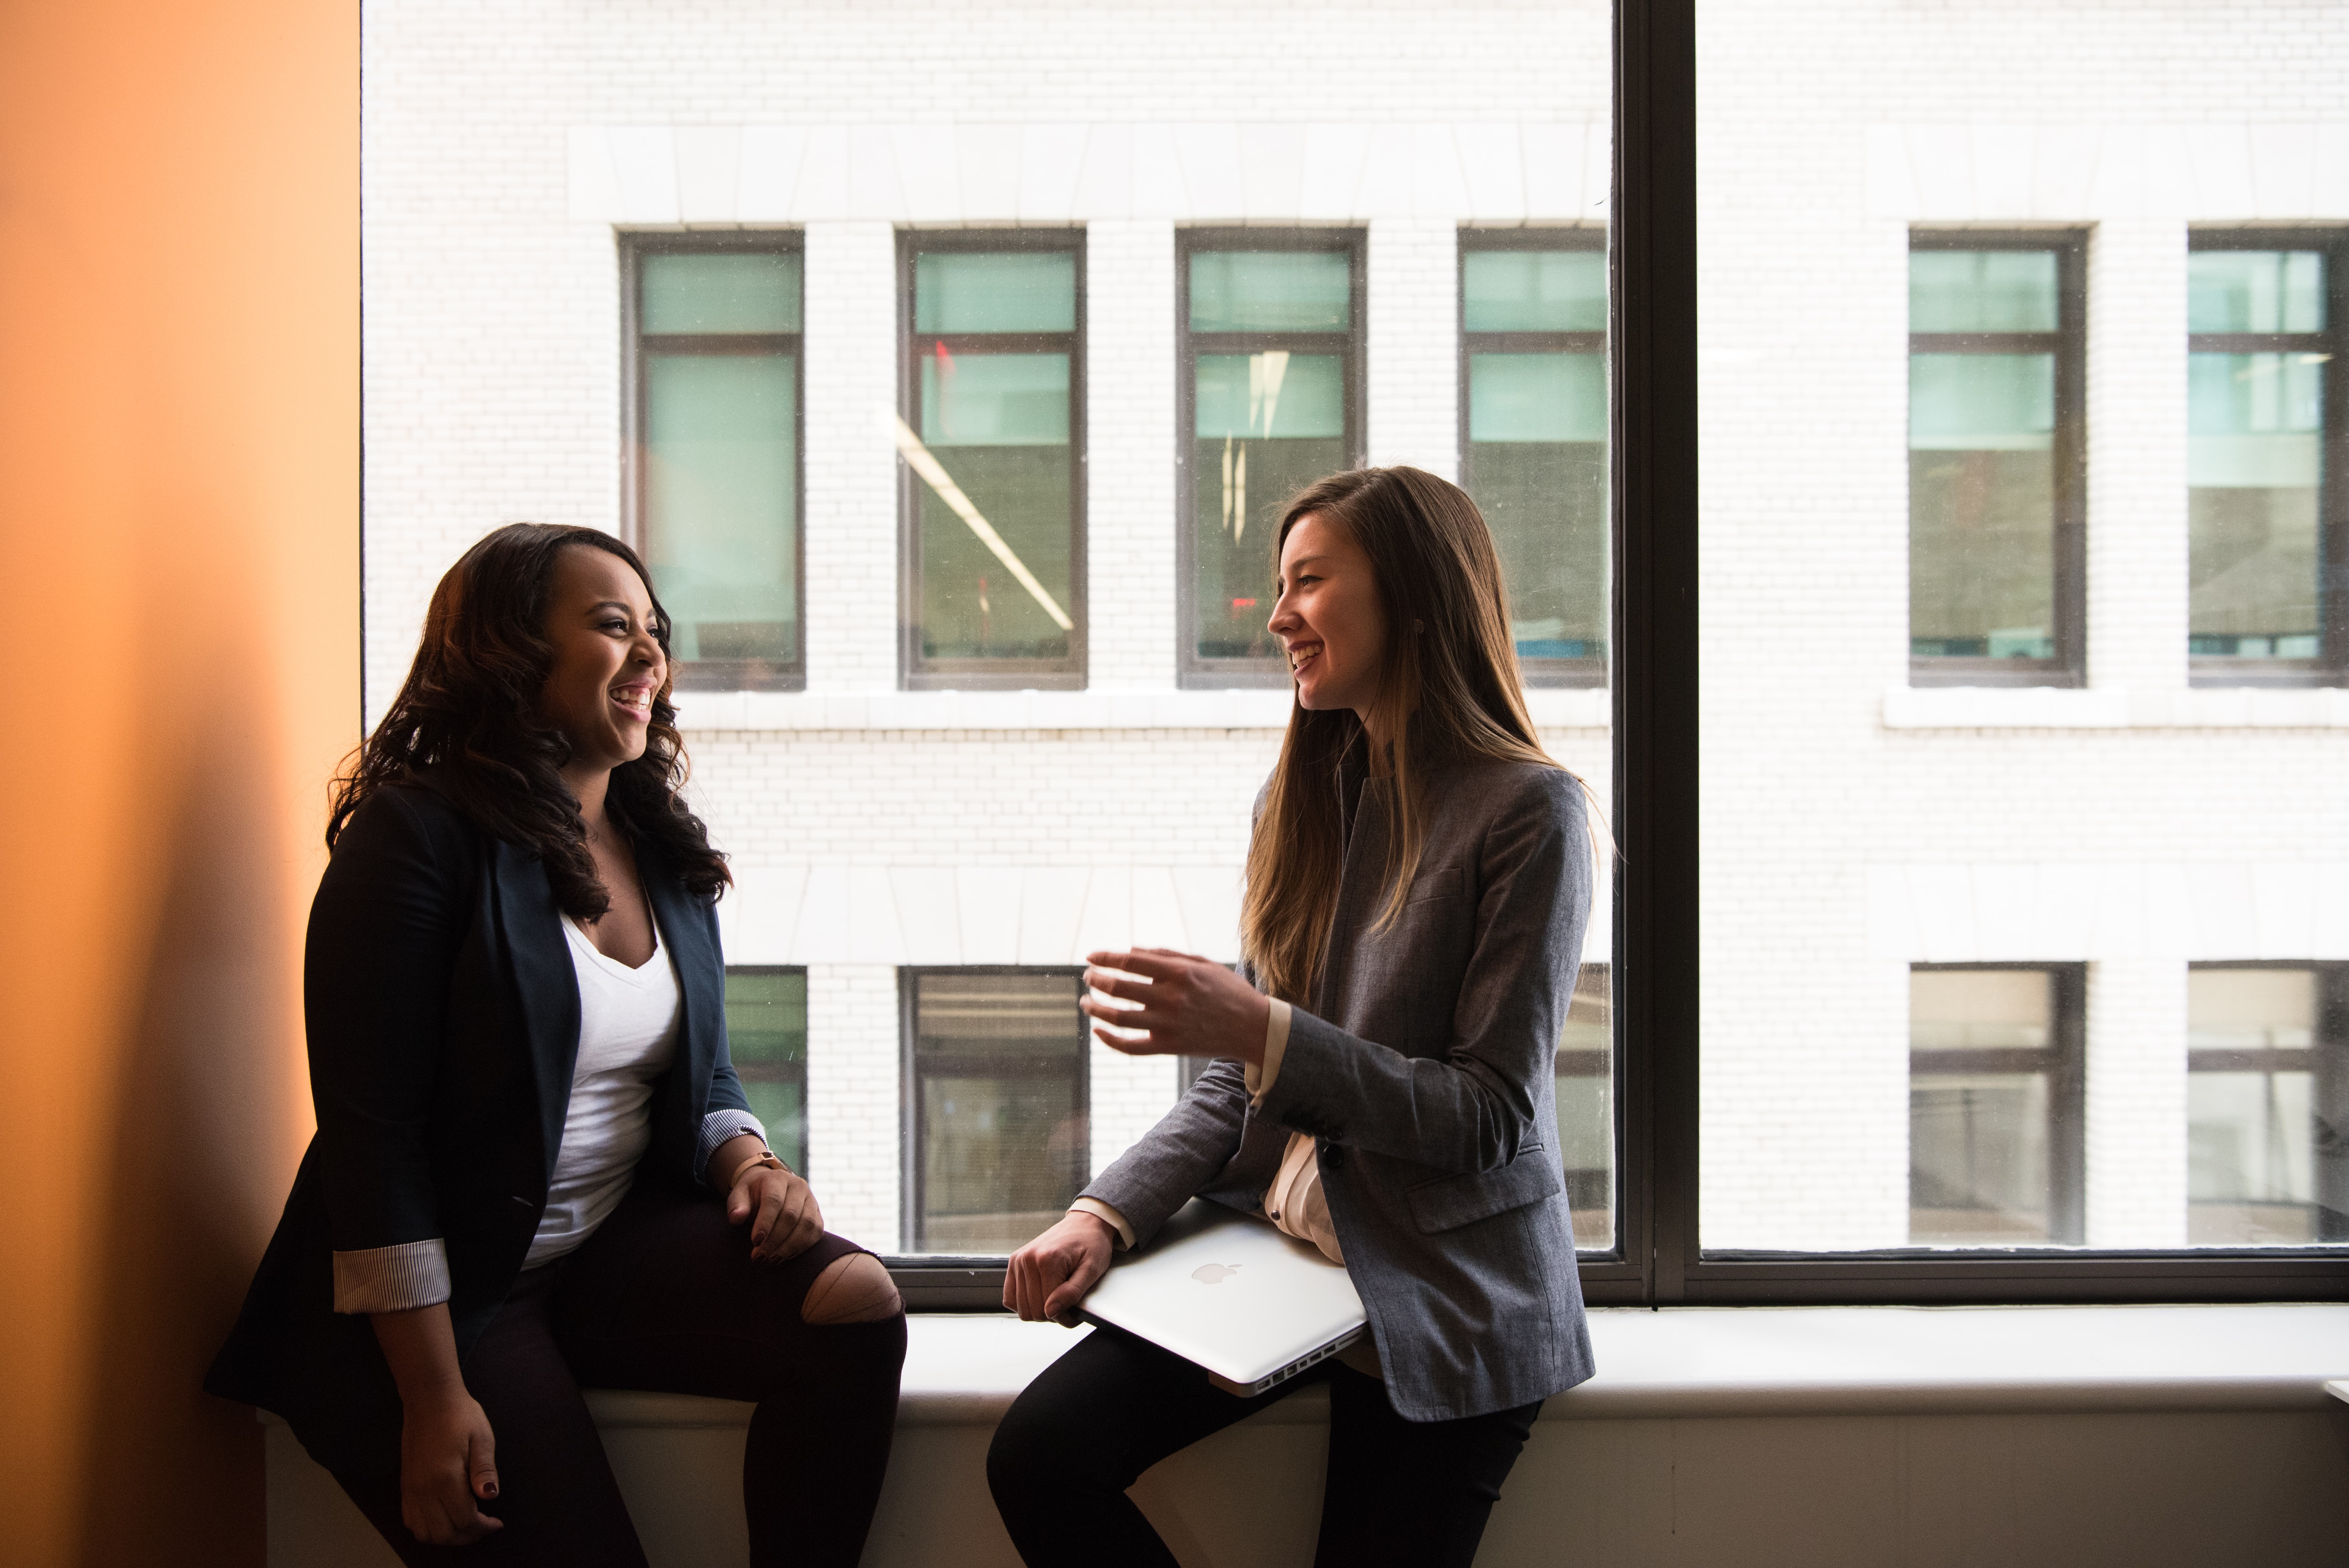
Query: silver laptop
(1227,1291)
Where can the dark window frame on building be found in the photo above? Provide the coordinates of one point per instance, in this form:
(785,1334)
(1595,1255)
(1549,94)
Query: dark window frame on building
(2331,667)
(2326,1060)
(936,1270)
(2065,1061)
(916,671)
(715,675)
(1535,672)
(763,1072)
(1193,672)
(2068,344)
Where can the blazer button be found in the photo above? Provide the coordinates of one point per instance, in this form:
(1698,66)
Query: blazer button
(1334,1156)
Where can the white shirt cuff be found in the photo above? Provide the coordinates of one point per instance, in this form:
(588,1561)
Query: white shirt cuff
(1107,1216)
(1276,1046)
(392,1279)
(717,1127)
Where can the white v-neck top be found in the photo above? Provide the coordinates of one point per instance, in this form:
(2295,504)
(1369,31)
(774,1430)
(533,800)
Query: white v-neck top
(627,1036)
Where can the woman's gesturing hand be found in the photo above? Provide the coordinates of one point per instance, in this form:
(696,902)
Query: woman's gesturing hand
(1184,1004)
(1050,1275)
(781,1208)
(448,1459)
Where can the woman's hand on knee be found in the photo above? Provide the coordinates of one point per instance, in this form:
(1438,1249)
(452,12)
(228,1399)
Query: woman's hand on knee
(781,1208)
(1049,1277)
(448,1468)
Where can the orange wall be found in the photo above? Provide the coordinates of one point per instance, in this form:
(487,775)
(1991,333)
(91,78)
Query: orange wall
(179,463)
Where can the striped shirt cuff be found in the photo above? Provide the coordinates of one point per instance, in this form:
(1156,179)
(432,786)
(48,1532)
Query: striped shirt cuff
(392,1279)
(717,1127)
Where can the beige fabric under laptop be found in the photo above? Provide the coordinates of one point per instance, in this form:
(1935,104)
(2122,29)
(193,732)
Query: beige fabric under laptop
(1227,1291)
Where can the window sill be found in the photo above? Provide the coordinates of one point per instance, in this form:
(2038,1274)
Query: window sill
(2115,708)
(1553,709)
(1694,1362)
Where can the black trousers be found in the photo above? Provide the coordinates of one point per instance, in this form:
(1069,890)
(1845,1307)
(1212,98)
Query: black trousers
(663,1296)
(1413,1494)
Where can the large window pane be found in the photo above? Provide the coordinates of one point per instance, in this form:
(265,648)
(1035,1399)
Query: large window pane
(1000,1142)
(995,367)
(2268,1147)
(1994,1133)
(766,1032)
(718,368)
(1271,353)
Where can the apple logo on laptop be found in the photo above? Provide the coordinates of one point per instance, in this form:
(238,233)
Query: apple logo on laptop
(1214,1274)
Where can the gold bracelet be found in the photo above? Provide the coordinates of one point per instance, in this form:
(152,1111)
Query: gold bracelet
(765,1158)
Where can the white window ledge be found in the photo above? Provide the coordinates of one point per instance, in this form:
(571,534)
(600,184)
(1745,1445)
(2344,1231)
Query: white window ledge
(1746,1361)
(1552,709)
(2116,707)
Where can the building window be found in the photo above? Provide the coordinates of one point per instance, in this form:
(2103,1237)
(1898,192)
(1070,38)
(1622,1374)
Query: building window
(992,435)
(714,481)
(1271,373)
(1586,1108)
(2266,486)
(1996,1148)
(1533,438)
(997,1093)
(766,1033)
(1996,572)
(2267,1105)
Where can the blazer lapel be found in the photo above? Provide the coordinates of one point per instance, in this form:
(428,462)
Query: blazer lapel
(546,986)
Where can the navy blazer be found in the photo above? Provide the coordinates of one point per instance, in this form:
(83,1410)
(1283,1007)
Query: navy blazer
(442,1013)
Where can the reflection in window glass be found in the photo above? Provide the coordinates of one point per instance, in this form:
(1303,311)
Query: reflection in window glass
(2254,451)
(1993,1138)
(2267,1163)
(1001,1140)
(995,495)
(1271,361)
(1586,1108)
(719,362)
(766,1033)
(1533,337)
(1983,482)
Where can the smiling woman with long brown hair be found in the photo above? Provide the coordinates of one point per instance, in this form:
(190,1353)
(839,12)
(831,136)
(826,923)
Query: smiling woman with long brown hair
(532,1148)
(1418,883)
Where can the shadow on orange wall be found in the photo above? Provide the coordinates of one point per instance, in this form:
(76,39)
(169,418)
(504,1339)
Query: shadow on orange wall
(179,466)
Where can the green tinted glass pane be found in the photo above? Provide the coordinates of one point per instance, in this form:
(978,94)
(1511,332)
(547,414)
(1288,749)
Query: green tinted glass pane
(994,399)
(1981,402)
(721,504)
(995,291)
(1275,395)
(732,292)
(972,605)
(780,1102)
(1536,398)
(2255,291)
(2254,463)
(766,1018)
(1534,291)
(1272,291)
(1981,291)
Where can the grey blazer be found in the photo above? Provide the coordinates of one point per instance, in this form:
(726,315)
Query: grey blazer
(1424,1072)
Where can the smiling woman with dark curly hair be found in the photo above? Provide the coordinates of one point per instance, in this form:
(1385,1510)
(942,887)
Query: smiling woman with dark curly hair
(532,1145)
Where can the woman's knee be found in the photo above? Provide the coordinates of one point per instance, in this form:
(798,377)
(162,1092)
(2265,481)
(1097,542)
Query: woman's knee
(853,1289)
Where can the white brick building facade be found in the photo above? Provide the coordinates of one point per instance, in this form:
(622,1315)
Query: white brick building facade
(1853,825)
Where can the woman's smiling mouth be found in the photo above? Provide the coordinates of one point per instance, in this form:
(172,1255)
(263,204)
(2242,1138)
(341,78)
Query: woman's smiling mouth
(636,701)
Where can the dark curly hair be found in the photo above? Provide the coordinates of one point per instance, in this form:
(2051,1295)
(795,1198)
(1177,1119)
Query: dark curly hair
(466,723)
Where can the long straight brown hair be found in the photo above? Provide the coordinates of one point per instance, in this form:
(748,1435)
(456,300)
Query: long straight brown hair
(1448,691)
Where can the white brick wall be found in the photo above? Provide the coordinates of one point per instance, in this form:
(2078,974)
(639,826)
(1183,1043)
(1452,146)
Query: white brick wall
(1851,827)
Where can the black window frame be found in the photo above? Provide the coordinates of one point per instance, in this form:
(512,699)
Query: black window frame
(2326,1058)
(1540,672)
(1657,960)
(934,1271)
(715,675)
(2331,667)
(915,672)
(2064,1059)
(756,1072)
(1193,673)
(2069,345)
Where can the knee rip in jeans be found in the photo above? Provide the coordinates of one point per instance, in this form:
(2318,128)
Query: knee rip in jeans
(853,1289)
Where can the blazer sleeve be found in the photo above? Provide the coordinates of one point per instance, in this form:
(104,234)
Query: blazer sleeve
(384,934)
(726,1113)
(1181,1156)
(1471,1107)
